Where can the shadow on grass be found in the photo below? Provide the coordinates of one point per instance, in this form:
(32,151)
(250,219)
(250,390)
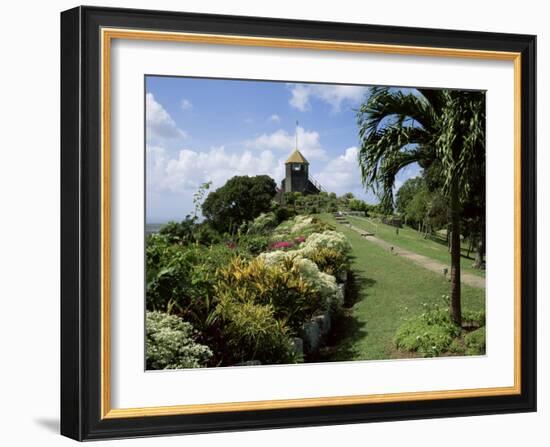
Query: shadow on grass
(347,330)
(357,282)
(464,252)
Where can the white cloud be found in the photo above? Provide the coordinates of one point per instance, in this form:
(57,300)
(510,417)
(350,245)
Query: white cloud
(188,169)
(309,143)
(185,104)
(274,118)
(160,125)
(341,174)
(335,95)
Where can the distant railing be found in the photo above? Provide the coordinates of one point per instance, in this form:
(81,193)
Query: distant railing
(316,184)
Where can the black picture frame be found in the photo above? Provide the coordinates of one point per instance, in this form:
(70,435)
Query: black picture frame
(81,223)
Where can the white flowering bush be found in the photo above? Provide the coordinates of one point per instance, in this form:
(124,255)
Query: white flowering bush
(301,225)
(332,240)
(170,343)
(329,250)
(323,282)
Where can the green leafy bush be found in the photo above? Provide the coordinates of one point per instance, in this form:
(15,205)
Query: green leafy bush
(179,232)
(284,213)
(188,231)
(170,343)
(430,334)
(181,280)
(263,224)
(205,234)
(475,342)
(252,244)
(473,319)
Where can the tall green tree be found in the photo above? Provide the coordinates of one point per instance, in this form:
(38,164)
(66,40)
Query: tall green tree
(425,126)
(240,200)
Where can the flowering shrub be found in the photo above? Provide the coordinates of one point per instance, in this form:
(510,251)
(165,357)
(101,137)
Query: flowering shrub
(170,343)
(299,239)
(329,250)
(329,239)
(246,296)
(299,226)
(281,245)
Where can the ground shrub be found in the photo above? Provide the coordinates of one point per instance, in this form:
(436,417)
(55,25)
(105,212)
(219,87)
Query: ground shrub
(171,344)
(473,319)
(430,334)
(475,342)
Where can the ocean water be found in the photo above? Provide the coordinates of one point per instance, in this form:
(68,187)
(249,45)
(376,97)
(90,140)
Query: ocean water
(152,227)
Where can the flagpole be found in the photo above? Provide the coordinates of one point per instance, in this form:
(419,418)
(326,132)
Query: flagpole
(296,134)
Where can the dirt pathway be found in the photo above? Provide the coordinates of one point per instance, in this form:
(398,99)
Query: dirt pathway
(423,261)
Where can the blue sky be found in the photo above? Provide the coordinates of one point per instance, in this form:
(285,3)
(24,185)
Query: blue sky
(200,130)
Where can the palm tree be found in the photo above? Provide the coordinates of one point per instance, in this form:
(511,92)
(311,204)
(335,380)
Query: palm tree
(440,128)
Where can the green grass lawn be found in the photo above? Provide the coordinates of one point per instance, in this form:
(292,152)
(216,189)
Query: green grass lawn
(389,289)
(410,239)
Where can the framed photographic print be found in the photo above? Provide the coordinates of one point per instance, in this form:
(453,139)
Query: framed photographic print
(276,223)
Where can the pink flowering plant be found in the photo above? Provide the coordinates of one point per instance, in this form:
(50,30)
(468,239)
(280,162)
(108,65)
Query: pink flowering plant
(281,245)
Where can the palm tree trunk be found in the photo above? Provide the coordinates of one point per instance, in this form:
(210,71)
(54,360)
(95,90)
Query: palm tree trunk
(456,312)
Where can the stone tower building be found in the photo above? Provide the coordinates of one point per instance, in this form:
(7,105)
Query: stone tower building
(297,176)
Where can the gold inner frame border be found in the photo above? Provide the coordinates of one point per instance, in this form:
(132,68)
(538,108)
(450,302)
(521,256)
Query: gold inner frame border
(107,36)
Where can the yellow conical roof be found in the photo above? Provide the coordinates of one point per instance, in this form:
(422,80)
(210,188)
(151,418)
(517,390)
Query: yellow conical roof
(296,157)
